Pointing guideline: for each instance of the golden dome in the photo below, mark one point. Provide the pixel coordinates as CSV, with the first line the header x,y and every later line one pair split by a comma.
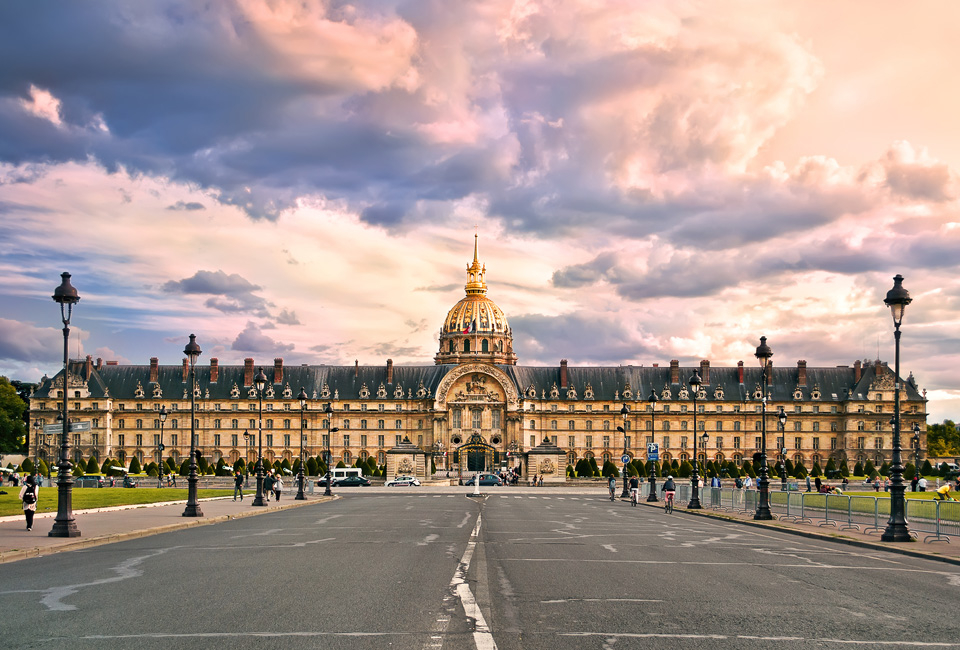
x,y
475,313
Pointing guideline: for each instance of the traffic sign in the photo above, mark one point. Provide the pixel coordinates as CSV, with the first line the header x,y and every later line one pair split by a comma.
x,y
653,451
624,459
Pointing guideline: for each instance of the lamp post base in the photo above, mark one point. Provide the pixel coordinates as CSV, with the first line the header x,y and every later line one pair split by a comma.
x,y
897,530
64,529
258,500
694,498
192,511
193,508
652,498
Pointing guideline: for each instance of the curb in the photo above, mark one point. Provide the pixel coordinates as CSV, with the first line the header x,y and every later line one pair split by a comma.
x,y
783,528
80,543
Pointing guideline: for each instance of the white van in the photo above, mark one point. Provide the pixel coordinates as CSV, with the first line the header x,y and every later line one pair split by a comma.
x,y
344,472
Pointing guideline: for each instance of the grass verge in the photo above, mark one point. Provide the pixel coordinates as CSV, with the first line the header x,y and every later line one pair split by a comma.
x,y
84,498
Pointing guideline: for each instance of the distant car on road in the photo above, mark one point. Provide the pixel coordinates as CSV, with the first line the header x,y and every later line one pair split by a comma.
x,y
351,481
402,480
485,479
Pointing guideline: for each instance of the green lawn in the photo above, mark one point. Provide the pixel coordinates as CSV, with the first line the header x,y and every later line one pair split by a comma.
x,y
101,497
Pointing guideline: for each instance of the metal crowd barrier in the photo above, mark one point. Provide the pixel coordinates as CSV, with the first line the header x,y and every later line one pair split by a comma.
x,y
937,520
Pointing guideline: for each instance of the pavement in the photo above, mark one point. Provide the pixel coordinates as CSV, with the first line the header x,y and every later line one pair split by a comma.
x,y
108,525
116,524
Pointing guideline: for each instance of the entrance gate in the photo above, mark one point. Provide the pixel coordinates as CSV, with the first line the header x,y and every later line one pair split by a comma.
x,y
475,455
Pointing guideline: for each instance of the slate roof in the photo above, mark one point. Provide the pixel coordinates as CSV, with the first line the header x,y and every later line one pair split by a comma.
x,y
608,383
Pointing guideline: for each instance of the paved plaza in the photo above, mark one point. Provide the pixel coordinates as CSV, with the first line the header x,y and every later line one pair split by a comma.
x,y
441,568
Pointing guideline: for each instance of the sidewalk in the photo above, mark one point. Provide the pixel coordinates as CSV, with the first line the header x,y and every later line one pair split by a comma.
x,y
940,551
108,525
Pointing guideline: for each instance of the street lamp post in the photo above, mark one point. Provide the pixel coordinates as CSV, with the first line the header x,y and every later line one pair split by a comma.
x,y
192,352
248,439
160,447
36,454
303,407
65,525
897,531
328,410
782,424
916,447
763,355
625,412
694,504
652,497
260,382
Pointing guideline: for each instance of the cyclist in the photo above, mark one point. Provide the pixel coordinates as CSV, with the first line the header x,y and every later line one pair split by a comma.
x,y
612,486
669,488
634,490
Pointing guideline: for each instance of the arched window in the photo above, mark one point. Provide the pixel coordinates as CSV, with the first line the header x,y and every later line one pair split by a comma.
x,y
466,345
484,346
533,424
347,458
453,347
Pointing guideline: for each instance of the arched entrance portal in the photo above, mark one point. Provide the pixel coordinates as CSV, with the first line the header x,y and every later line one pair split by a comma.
x,y
475,455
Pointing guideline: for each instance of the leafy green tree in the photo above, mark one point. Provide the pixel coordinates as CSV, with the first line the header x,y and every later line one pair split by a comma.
x,y
185,467
151,469
78,469
13,429
790,468
26,467
685,469
926,469
134,465
340,464
868,468
858,469
799,471
816,468
632,470
240,465
571,473
44,468
885,469
583,468
943,439
285,465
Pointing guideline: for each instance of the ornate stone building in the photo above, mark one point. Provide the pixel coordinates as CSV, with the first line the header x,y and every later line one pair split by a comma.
x,y
476,407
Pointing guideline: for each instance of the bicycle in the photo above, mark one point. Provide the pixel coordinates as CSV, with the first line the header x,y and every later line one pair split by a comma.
x,y
668,502
633,496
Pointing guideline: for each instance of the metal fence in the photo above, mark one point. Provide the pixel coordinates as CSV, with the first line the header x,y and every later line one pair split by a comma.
x,y
931,520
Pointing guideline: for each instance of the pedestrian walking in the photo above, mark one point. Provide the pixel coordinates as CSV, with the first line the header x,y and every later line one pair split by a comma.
x,y
913,483
238,486
268,485
808,482
29,494
277,487
818,483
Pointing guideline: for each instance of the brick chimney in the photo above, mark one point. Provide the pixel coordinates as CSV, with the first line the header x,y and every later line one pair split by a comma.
x,y
186,370
99,363
879,369
89,368
154,371
214,369
740,371
802,373
705,371
389,371
674,371
857,369
248,372
563,373
278,370
769,372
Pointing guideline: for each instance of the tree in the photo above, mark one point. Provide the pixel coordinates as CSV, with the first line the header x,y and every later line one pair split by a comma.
x,y
868,468
816,468
685,469
593,464
844,468
858,469
570,471
790,468
13,429
44,468
926,469
885,469
103,468
151,469
134,465
747,467
943,439
311,467
831,468
799,471
26,466
583,468
78,469
909,471
340,464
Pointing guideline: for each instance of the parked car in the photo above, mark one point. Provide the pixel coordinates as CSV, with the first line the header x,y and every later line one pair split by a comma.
x,y
402,480
351,481
88,481
485,479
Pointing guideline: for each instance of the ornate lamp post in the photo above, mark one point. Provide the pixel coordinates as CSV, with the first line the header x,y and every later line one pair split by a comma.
x,y
694,504
303,407
897,300
763,355
328,410
160,447
782,424
192,352
916,446
248,438
260,382
625,412
36,452
65,525
652,497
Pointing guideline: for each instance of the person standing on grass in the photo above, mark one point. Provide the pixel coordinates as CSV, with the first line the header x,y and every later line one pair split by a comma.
x,y
29,495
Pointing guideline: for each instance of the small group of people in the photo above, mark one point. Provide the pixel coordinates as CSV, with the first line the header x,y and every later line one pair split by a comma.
x,y
272,483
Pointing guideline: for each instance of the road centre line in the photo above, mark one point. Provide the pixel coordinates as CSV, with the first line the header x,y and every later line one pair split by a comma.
x,y
482,637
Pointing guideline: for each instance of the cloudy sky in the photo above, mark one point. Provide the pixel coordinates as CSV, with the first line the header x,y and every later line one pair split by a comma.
x,y
649,179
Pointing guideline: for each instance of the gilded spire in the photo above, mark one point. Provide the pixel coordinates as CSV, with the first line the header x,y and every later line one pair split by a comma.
x,y
475,283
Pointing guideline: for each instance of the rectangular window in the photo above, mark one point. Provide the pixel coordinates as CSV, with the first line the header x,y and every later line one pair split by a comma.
x,y
571,441
798,426
233,440
496,420
833,443
96,423
816,409
286,440
139,439
346,424
397,424
589,425
76,440
269,424
419,424
683,442
286,424
380,441
756,425
719,426
156,440
756,442
719,409
736,425
878,443
399,407
606,425
363,424
719,442
666,442
589,442
399,440
736,442
570,425
666,425
683,425
252,423
216,424
363,441
216,440
477,418
797,443
173,440
139,424
553,408
833,426
533,441
779,442
346,440
379,408
456,422
533,424
269,439
380,425
816,443
666,408
606,442
860,443
119,424
816,426
420,441
553,424
120,440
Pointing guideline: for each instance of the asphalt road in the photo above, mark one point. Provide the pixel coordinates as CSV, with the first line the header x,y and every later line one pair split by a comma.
x,y
421,569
